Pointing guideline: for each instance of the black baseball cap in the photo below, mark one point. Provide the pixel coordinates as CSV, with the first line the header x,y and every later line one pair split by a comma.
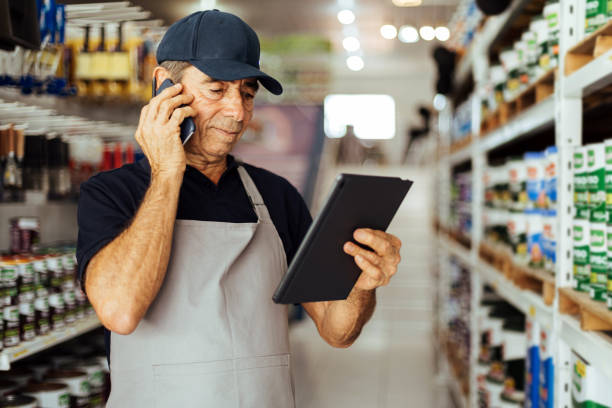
x,y
219,44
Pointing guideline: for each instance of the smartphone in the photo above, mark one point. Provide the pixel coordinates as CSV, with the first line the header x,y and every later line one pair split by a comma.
x,y
188,126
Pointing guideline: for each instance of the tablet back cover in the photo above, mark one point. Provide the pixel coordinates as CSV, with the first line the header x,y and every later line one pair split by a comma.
x,y
321,270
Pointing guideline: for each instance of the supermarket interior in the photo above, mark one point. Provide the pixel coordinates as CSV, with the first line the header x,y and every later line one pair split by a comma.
x,y
495,110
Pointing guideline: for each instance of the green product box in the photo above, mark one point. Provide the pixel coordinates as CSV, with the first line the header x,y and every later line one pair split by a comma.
x,y
582,260
596,170
590,387
580,176
596,15
609,243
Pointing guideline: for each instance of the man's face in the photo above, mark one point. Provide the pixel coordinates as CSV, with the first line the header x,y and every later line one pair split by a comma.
x,y
223,111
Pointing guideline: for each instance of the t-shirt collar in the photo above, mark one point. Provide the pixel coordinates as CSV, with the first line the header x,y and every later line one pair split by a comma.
x,y
232,163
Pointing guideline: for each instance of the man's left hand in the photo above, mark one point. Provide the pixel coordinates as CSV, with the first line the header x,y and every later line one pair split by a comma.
x,y
377,266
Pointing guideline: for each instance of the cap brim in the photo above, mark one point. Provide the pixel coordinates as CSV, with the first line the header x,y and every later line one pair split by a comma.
x,y
231,70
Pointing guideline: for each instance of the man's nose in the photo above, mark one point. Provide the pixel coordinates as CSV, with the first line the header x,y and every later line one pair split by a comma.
x,y
234,106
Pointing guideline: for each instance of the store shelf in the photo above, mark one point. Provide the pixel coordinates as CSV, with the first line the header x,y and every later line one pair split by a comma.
x,y
594,347
456,249
10,355
526,301
491,31
455,389
594,76
536,118
461,156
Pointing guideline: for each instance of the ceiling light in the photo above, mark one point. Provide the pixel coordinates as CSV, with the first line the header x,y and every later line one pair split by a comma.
x,y
442,33
428,33
346,16
408,34
407,3
388,31
354,63
351,44
439,102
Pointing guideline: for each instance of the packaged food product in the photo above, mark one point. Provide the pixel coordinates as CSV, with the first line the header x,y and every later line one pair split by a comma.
x,y
17,401
596,15
609,252
552,158
48,394
596,165
547,369
580,177
532,364
535,228
582,266
77,383
517,231
517,171
549,240
25,233
590,387
536,179
510,61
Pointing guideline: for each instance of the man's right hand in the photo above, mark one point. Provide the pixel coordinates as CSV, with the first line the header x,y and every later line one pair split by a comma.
x,y
158,132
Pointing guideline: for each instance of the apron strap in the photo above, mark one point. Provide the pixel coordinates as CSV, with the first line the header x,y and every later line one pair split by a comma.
x,y
254,196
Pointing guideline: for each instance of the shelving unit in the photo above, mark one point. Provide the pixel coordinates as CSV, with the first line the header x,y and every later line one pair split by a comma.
x,y
41,343
561,113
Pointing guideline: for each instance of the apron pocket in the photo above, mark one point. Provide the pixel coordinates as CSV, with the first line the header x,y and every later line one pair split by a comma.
x,y
252,382
265,382
210,384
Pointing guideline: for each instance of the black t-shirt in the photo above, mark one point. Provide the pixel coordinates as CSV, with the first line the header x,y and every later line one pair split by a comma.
x,y
109,201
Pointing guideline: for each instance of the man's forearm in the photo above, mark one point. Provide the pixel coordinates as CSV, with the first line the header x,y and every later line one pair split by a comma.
x,y
124,277
344,319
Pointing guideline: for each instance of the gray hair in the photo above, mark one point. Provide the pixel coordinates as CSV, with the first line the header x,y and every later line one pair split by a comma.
x,y
176,69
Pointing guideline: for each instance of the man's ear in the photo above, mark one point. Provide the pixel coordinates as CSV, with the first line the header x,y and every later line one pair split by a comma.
x,y
160,74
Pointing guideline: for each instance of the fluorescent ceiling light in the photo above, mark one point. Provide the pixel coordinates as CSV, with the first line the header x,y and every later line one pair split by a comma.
x,y
388,31
427,33
408,34
355,63
442,33
346,16
407,3
351,44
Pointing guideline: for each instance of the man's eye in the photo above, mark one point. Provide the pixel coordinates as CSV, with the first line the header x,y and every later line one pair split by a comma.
x,y
249,96
216,90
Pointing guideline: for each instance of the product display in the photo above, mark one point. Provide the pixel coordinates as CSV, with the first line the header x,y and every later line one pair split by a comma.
x,y
590,388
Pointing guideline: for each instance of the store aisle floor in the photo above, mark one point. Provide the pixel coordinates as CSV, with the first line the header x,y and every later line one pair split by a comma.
x,y
391,364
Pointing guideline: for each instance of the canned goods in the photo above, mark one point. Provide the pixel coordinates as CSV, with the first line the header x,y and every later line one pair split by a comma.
x,y
27,321
56,272
10,315
56,311
42,313
41,273
18,401
24,232
77,383
49,395
96,377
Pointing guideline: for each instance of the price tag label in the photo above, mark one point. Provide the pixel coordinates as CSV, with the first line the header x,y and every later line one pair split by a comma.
x,y
532,311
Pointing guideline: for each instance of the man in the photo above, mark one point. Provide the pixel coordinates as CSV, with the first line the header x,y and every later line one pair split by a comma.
x,y
180,253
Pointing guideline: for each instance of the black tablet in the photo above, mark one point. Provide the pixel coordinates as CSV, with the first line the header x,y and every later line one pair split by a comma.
x,y
321,270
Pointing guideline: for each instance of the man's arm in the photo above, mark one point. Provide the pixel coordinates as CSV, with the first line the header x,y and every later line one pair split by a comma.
x,y
340,322
124,277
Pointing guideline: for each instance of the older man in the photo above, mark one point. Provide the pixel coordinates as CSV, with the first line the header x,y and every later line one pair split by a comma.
x,y
180,253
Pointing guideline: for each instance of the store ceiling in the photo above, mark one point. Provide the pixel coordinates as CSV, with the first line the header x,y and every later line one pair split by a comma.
x,y
280,17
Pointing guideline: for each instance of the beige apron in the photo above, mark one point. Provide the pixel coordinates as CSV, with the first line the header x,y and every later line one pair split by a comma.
x,y
212,337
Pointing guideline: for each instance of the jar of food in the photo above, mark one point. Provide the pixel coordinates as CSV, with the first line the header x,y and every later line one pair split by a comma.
x,y
18,401
77,383
49,394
